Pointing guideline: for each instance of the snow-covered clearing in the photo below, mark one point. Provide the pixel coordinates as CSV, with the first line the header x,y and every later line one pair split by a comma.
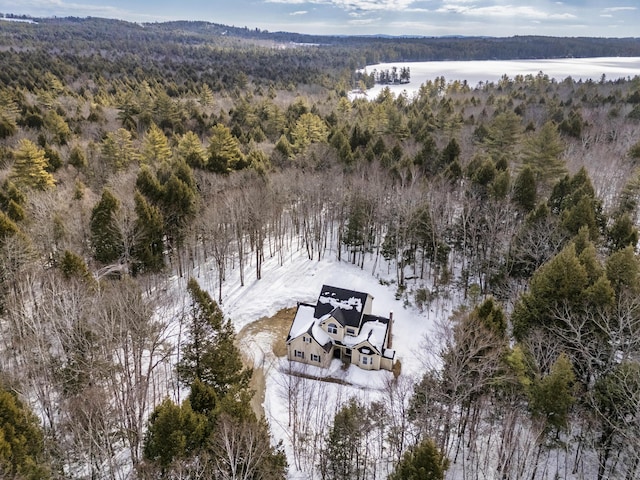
x,y
299,279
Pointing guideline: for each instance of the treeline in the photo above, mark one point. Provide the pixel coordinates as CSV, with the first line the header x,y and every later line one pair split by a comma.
x,y
384,77
117,188
181,54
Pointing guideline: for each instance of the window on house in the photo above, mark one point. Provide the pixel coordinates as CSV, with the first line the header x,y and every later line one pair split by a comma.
x,y
332,328
315,358
306,339
351,331
298,354
365,360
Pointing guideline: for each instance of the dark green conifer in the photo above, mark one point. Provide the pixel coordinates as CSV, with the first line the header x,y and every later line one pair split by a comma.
x,y
422,462
209,353
106,238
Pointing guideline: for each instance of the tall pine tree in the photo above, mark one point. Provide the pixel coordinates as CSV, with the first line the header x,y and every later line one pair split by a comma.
x,y
30,167
209,354
155,147
148,247
224,151
106,238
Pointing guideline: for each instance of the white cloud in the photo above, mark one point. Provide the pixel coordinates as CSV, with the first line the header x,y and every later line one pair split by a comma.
x,y
351,5
364,21
618,9
374,5
504,11
300,2
63,8
60,5
299,12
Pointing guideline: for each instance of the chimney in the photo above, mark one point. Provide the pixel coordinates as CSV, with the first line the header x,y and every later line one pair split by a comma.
x,y
390,329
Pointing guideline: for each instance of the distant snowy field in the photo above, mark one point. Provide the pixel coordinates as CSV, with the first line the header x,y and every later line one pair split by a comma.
x,y
299,279
475,72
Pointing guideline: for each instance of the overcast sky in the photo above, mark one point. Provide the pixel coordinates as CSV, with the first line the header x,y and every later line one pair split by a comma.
x,y
601,18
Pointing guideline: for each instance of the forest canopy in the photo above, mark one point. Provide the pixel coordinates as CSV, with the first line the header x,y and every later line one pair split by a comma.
x,y
133,158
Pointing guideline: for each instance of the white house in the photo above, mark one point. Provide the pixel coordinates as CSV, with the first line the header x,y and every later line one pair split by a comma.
x,y
340,325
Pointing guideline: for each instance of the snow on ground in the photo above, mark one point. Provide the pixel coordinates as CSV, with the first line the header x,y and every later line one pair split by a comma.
x,y
475,71
299,279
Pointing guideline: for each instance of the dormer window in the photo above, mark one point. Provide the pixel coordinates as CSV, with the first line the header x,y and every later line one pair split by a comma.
x,y
351,331
332,329
306,339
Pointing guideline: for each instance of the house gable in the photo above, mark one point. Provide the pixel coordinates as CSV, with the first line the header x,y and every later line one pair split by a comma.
x,y
305,327
374,330
334,327
307,342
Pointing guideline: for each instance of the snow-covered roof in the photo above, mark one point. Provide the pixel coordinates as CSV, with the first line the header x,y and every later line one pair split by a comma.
x,y
337,303
320,335
305,322
350,304
374,331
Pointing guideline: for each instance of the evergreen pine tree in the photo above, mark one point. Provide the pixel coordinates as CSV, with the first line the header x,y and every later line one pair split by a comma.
x,y
106,238
502,136
622,233
178,208
148,185
552,396
561,280
524,189
623,270
224,151
8,115
174,432
148,247
542,152
422,462
342,457
191,151
209,354
12,201
30,167
58,126
309,128
77,157
206,96
155,147
7,226
22,453
118,150
73,265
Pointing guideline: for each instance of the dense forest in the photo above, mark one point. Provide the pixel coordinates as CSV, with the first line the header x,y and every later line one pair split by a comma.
x,y
132,155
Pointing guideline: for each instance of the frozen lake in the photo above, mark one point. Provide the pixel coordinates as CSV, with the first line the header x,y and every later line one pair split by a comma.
x,y
476,71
